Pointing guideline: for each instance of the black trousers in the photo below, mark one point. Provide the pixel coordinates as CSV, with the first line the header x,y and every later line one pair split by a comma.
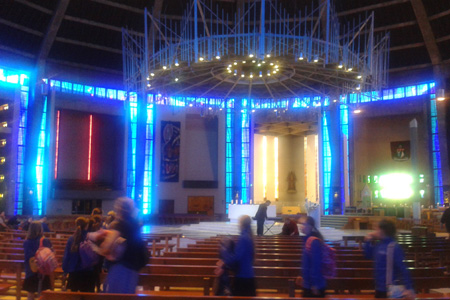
x,y
244,287
260,227
307,293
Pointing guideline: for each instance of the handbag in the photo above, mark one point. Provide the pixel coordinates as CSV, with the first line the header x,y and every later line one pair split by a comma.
x,y
393,290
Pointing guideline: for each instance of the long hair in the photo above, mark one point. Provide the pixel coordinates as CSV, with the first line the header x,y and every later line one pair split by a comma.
x,y
81,224
314,232
34,230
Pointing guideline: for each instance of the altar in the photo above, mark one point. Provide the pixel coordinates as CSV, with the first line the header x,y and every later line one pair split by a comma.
x,y
237,210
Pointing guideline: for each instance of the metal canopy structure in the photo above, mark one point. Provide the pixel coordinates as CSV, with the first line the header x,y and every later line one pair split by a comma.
x,y
262,51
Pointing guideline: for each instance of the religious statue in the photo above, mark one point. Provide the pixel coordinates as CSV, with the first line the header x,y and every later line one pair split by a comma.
x,y
291,183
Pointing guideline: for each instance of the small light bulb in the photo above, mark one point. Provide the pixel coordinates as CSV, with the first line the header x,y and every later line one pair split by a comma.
x,y
350,69
235,63
259,65
242,75
210,108
152,74
268,55
271,64
148,78
229,66
176,79
244,62
217,57
164,67
177,64
201,59
251,55
359,77
253,61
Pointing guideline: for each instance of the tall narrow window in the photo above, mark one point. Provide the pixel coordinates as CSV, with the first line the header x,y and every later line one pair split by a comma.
x,y
58,116
90,148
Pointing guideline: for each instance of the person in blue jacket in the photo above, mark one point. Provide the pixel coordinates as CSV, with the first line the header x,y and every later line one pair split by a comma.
x,y
79,280
312,279
385,233
30,246
241,260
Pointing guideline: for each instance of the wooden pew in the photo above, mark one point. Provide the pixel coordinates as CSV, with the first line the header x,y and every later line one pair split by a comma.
x,y
16,268
52,295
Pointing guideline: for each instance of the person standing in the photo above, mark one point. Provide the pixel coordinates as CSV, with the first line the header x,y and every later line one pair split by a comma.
x,y
80,279
30,246
312,279
260,217
124,266
241,260
379,252
446,220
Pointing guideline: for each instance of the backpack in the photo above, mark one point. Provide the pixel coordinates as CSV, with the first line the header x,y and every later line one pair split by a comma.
x,y
89,257
328,257
44,261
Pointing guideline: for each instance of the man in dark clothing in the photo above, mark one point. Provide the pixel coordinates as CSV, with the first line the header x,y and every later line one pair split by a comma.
x,y
261,216
446,220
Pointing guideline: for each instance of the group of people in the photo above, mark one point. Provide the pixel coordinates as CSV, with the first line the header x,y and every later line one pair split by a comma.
x,y
380,246
117,240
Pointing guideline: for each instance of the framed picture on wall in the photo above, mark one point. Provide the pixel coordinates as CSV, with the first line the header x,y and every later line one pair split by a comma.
x,y
170,151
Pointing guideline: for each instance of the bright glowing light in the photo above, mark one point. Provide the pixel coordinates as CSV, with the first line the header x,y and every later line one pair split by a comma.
x,y
350,69
2,160
275,144
235,63
396,186
251,55
152,74
341,65
176,79
4,124
358,87
229,71
58,115
357,111
164,67
217,57
244,62
422,193
210,108
268,55
90,148
359,76
177,64
265,166
259,65
242,75
251,75
201,59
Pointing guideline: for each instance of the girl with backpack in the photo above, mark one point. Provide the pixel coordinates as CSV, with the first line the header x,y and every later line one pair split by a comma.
x,y
312,280
30,246
389,267
81,278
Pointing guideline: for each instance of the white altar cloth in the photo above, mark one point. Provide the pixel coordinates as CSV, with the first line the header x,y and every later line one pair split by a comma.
x,y
237,210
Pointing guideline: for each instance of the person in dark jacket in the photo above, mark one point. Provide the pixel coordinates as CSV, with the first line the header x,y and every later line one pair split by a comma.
x,y
80,279
290,228
261,216
30,246
242,260
385,233
446,220
312,279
